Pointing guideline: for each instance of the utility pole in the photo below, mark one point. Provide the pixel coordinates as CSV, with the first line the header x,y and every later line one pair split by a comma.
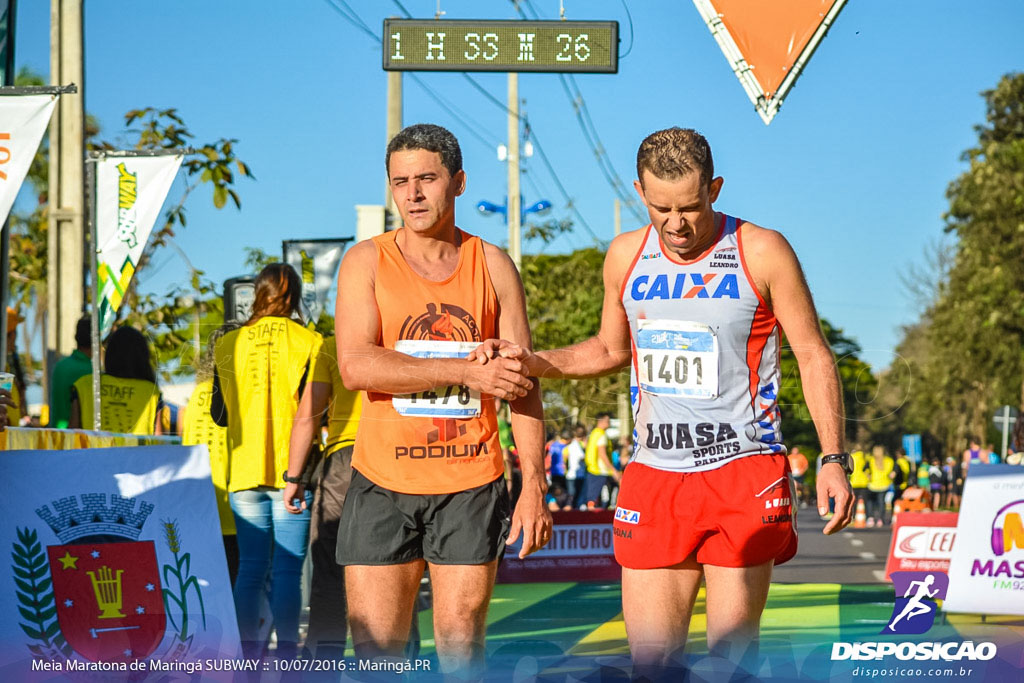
x,y
618,217
65,290
394,126
514,205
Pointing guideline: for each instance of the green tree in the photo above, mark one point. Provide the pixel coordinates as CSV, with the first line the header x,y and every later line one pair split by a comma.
x,y
858,385
563,299
970,343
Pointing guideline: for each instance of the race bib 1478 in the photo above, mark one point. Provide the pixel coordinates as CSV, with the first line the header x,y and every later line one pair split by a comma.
x,y
454,401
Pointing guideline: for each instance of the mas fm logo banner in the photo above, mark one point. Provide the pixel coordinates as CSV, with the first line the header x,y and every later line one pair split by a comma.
x,y
113,563
23,120
129,194
986,569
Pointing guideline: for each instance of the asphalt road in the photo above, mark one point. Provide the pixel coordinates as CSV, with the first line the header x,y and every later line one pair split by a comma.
x,y
850,556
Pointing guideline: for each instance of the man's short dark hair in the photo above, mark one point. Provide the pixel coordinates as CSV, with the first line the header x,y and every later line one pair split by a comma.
x,y
431,138
673,153
83,332
601,416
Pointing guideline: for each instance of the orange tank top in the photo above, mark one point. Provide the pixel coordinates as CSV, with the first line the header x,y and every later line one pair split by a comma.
x,y
427,443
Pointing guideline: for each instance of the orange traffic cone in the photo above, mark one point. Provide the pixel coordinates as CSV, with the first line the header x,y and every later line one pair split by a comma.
x,y
860,519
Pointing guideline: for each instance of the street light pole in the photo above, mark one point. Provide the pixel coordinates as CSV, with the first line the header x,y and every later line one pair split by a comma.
x,y
513,215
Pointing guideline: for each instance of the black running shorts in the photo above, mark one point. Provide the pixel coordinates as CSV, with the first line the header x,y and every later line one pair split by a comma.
x,y
383,527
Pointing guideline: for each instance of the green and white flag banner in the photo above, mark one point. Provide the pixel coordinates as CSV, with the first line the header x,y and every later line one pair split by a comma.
x,y
129,194
23,120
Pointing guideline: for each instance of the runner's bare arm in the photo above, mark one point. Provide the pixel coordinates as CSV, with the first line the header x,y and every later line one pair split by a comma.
x,y
779,278
368,366
307,418
531,516
602,354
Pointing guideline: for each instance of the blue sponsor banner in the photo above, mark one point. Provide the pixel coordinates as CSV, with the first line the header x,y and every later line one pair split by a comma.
x,y
912,447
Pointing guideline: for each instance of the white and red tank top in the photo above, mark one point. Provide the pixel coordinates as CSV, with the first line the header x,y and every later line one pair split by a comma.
x,y
705,372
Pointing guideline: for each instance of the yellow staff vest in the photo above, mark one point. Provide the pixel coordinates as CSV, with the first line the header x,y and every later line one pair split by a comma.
x,y
346,406
129,406
260,368
859,477
200,428
14,413
880,473
594,464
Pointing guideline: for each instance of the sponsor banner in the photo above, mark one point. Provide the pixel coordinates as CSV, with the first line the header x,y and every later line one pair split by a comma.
x,y
113,566
921,542
36,439
986,570
580,550
316,262
23,120
129,194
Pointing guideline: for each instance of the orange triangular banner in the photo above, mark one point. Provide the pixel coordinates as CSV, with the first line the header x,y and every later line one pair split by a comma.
x,y
768,43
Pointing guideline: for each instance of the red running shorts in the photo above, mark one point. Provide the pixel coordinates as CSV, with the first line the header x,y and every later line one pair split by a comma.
x,y
739,515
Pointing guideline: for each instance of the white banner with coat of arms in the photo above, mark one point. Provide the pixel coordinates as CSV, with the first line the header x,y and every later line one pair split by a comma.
x,y
129,194
114,565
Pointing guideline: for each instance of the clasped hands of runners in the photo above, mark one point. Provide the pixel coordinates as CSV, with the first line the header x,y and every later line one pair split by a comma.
x,y
507,374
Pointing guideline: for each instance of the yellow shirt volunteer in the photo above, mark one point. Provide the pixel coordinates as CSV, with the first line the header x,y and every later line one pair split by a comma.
x,y
128,406
14,412
859,478
594,464
879,474
200,428
261,368
346,406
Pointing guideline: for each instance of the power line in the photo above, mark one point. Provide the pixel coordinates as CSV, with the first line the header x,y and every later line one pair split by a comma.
x,y
402,7
590,133
451,110
561,188
350,15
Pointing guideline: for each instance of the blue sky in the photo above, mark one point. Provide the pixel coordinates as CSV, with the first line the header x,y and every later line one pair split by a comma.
x,y
853,170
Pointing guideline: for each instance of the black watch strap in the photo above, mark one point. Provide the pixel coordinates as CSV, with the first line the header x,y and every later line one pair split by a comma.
x,y
842,458
290,479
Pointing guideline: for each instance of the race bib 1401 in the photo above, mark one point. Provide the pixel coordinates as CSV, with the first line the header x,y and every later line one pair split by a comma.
x,y
677,358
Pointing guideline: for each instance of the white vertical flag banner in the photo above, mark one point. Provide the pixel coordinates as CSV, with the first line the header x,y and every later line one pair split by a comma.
x,y
316,262
23,120
129,194
113,566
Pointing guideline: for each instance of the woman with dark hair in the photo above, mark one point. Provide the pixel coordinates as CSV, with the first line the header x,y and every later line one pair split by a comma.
x,y
260,372
129,397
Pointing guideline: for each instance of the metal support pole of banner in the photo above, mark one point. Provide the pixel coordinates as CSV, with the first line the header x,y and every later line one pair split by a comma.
x,y
92,158
39,89
90,216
